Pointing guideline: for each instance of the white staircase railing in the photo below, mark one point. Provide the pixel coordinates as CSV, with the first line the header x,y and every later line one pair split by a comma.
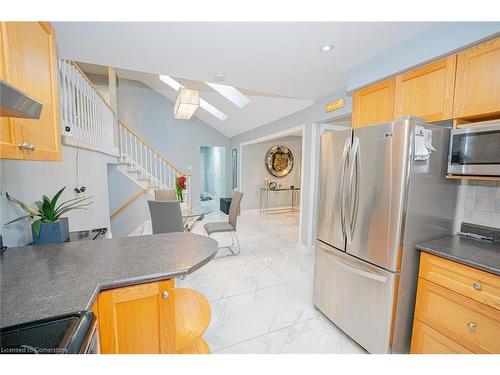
x,y
87,119
152,167
86,116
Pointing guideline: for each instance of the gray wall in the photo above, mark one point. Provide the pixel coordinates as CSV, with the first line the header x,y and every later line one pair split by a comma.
x,y
121,189
151,115
254,172
29,180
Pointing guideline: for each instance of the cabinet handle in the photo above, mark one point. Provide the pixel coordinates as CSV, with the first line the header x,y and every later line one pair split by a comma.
x,y
164,295
23,146
477,286
471,326
30,147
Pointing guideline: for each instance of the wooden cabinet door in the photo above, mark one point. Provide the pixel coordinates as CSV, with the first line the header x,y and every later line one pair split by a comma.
x,y
425,340
10,131
374,104
136,319
471,324
30,64
477,88
427,91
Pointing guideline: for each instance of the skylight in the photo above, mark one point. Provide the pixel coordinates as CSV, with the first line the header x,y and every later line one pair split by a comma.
x,y
211,109
230,93
203,103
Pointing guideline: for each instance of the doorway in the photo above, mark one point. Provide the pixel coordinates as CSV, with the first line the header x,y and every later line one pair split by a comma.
x,y
284,201
212,174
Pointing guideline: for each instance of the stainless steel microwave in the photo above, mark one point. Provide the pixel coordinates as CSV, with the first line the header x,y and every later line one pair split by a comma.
x,y
475,150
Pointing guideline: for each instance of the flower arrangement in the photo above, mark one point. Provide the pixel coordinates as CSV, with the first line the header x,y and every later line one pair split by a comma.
x,y
180,186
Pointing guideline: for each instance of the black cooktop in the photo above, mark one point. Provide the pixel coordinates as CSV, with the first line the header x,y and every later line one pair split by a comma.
x,y
63,334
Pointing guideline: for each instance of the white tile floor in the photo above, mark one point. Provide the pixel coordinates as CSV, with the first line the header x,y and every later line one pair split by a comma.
x,y
262,299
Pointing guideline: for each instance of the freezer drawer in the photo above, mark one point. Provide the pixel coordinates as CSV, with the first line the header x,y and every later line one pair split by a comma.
x,y
356,296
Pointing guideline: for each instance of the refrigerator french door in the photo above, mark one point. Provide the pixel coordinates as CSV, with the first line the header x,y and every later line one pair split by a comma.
x,y
375,193
333,168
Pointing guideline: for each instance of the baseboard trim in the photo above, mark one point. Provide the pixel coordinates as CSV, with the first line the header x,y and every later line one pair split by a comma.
x,y
271,210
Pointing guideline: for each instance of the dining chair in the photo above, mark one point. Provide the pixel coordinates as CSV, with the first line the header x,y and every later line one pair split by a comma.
x,y
230,225
165,216
165,195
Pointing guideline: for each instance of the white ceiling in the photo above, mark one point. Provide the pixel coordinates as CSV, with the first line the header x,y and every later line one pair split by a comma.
x,y
277,57
277,64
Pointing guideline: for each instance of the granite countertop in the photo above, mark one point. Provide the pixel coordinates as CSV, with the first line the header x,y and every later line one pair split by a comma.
x,y
38,282
483,255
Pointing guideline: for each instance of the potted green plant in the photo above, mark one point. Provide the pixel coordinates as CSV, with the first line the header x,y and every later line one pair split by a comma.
x,y
49,226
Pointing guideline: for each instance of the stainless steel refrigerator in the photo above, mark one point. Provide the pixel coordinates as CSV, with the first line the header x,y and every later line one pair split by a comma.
x,y
379,196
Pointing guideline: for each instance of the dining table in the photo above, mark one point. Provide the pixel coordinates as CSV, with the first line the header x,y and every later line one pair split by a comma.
x,y
194,212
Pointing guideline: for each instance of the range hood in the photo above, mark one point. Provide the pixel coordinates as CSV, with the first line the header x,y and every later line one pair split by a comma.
x,y
15,103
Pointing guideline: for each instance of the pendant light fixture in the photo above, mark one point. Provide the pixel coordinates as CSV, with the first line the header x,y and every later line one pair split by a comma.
x,y
186,103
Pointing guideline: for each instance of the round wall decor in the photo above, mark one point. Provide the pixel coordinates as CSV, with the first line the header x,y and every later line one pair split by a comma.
x,y
279,161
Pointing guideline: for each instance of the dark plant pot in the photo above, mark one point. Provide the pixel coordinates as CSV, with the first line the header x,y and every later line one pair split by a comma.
x,y
55,232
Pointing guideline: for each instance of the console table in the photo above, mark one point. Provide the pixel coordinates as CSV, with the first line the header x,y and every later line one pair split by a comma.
x,y
264,197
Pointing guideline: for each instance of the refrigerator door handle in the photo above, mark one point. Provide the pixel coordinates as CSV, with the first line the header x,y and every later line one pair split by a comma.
x,y
362,272
357,166
345,160
352,207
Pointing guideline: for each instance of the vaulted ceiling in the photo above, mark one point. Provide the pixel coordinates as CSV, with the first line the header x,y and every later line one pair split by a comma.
x,y
279,66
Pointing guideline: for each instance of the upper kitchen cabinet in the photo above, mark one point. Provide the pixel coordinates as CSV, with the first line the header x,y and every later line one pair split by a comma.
x,y
374,104
29,62
477,89
10,132
427,91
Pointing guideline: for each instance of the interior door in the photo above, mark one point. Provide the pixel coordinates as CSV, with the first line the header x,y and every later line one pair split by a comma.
x,y
334,150
376,177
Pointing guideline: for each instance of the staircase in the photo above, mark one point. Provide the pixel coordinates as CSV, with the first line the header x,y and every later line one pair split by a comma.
x,y
89,122
145,165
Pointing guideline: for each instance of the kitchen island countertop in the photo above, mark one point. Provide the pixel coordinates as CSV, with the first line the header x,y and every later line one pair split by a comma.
x,y
42,281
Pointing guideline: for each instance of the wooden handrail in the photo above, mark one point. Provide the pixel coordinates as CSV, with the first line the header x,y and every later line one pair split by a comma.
x,y
80,70
153,150
128,203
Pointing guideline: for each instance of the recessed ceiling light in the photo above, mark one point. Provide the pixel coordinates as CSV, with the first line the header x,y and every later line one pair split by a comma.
x,y
326,48
219,77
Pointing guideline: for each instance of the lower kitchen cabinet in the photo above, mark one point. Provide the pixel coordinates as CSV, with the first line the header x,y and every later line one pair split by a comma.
x,y
153,318
426,340
456,309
